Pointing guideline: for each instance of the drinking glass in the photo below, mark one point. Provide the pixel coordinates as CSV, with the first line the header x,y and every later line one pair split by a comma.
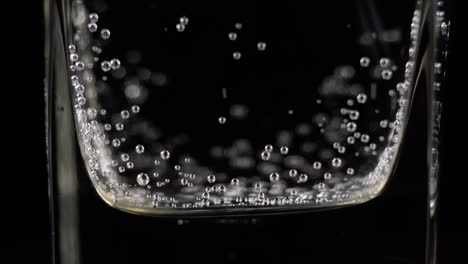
x,y
243,130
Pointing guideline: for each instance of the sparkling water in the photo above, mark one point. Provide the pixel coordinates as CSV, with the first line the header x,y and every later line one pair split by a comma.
x,y
179,109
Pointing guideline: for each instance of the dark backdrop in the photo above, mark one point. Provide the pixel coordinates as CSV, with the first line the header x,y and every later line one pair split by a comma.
x,y
29,221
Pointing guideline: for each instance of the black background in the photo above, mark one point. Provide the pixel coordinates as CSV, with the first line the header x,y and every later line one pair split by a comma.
x,y
29,220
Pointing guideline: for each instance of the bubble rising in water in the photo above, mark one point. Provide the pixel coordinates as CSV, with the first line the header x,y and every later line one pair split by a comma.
x,y
106,66
135,109
125,114
115,64
292,173
361,98
125,157
93,17
387,74
351,127
317,165
265,155
274,177
261,46
284,150
364,61
236,55
184,20
74,57
234,181
303,178
222,120
105,34
211,178
143,179
119,127
336,162
165,155
92,27
139,149
72,48
232,36
180,28
365,138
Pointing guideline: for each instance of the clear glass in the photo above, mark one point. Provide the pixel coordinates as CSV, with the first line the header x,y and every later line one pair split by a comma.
x,y
186,109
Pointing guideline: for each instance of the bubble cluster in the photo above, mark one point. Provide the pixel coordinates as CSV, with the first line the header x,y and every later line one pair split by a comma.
x,y
319,158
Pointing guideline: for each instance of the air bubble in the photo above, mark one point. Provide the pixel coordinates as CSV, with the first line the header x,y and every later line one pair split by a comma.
x,y
350,171
269,148
72,48
274,176
165,155
74,57
143,179
361,98
234,181
184,181
341,149
384,62
303,178
124,157
354,115
387,74
336,162
105,34
232,36
261,46
284,150
115,64
236,55
135,109
351,127
383,123
327,176
119,127
180,27
292,173
364,61
365,138
92,113
184,20
79,65
93,17
125,114
265,155
317,165
211,178
139,149
222,120
81,100
92,27
105,66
